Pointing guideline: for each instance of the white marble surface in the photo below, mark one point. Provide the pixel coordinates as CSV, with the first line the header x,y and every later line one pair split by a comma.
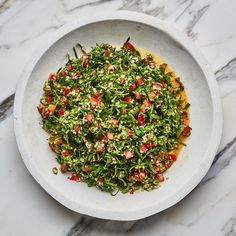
x,y
25,208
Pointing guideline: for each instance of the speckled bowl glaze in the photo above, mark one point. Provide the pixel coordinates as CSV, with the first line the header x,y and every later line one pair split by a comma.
x,y
205,114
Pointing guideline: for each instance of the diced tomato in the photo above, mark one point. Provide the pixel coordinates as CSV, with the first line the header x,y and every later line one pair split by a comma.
x,y
74,177
142,108
139,81
78,73
65,152
131,191
138,95
52,146
173,157
94,101
156,92
143,148
103,142
100,148
77,128
77,89
96,94
62,74
129,46
107,52
132,87
158,86
130,132
160,177
59,141
139,175
48,99
147,103
128,99
167,165
100,181
140,119
51,109
85,59
86,168
114,121
63,168
41,108
128,154
63,100
70,67
52,77
187,131
61,112
150,145
88,117
157,168
110,67
110,136
66,91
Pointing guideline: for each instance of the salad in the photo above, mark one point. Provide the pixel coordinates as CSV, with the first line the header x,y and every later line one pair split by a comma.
x,y
116,119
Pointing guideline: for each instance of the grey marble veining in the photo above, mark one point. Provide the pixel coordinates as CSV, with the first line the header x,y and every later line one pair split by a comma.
x,y
6,107
211,203
228,71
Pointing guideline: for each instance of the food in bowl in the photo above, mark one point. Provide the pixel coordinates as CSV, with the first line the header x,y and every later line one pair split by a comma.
x,y
117,118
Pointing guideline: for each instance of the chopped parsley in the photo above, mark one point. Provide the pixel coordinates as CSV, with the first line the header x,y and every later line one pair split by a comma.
x,y
116,120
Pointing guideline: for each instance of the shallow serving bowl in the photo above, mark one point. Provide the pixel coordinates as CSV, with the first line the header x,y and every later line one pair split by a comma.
x,y
205,114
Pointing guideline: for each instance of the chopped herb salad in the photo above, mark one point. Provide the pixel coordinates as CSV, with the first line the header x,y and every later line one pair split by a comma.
x,y
116,120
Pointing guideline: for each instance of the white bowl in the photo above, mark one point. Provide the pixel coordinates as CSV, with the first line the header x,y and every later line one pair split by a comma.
x,y
205,114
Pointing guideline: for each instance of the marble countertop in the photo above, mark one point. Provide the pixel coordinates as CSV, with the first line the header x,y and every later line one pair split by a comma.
x,y
26,209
